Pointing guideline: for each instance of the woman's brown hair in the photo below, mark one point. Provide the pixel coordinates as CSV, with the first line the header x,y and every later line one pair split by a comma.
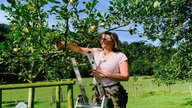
x,y
115,39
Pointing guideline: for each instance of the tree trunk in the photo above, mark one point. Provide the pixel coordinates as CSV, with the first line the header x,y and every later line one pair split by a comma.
x,y
31,95
169,88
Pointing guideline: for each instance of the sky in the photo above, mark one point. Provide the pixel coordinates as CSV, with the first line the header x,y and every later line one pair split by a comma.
x,y
123,36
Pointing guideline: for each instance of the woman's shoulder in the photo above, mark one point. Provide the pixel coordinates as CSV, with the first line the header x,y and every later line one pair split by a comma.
x,y
121,55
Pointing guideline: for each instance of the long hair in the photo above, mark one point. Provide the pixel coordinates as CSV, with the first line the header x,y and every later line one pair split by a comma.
x,y
114,38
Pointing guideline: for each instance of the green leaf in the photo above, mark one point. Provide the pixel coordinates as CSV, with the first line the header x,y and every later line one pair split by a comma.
x,y
94,2
137,1
12,2
88,5
53,1
2,46
3,7
156,4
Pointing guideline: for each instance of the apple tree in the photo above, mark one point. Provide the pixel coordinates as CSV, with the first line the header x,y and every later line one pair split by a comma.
x,y
28,49
169,21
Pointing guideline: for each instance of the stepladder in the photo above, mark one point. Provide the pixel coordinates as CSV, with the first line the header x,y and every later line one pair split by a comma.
x,y
82,99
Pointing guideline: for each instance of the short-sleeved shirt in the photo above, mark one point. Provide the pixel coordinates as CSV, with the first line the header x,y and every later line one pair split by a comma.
x,y
110,64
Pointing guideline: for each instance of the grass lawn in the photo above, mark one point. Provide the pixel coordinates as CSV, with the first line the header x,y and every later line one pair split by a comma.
x,y
143,95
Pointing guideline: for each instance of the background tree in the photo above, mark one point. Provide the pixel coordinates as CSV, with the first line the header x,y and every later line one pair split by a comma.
x,y
166,71
141,57
170,22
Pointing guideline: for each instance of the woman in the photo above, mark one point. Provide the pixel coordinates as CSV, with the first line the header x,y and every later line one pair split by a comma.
x,y
112,67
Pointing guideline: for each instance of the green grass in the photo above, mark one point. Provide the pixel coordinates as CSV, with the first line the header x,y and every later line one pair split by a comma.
x,y
146,96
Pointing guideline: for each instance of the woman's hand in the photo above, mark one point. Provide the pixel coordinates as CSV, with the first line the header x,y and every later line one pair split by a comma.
x,y
59,45
99,73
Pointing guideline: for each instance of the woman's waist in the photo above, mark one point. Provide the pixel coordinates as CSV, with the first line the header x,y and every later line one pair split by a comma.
x,y
112,85
105,82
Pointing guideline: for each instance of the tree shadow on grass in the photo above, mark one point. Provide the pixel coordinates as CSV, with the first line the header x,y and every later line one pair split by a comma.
x,y
12,105
188,101
149,94
9,105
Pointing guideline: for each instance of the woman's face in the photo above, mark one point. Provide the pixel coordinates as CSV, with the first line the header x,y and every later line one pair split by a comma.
x,y
106,41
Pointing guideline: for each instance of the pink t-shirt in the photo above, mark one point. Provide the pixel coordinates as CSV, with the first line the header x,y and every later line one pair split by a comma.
x,y
110,64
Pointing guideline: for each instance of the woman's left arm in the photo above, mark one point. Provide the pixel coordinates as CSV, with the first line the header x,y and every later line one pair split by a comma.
x,y
124,71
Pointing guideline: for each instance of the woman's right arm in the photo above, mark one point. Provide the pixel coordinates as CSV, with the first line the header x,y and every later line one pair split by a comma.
x,y
74,47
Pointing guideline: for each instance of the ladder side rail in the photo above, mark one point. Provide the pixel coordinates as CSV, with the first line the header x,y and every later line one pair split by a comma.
x,y
80,82
98,83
